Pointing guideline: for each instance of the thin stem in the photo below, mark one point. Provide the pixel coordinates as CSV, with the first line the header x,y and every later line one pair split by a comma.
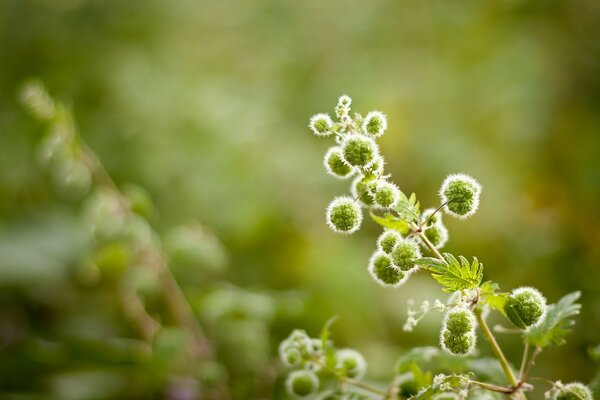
x,y
427,242
536,352
524,362
496,348
432,215
493,388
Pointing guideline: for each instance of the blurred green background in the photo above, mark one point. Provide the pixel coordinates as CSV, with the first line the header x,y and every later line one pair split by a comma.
x,y
205,105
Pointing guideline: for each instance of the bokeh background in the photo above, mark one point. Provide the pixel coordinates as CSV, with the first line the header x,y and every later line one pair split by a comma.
x,y
205,105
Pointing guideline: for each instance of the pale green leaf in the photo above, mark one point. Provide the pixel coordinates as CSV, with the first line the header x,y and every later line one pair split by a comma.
x,y
452,274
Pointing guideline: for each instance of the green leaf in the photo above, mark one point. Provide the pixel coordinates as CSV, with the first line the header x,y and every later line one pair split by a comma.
x,y
452,274
489,291
557,324
391,222
408,209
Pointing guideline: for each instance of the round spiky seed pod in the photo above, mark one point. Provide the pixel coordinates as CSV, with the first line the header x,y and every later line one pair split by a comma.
x,y
384,272
363,189
302,383
458,331
335,165
458,345
321,124
344,215
386,194
387,240
405,253
460,194
359,150
437,235
351,363
525,307
573,391
374,124
289,354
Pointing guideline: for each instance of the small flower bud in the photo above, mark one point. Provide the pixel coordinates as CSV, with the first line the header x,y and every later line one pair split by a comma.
x,y
335,164
363,189
359,150
387,240
344,215
525,307
573,391
437,235
374,124
302,383
384,271
405,253
460,193
351,363
289,354
344,101
321,124
386,194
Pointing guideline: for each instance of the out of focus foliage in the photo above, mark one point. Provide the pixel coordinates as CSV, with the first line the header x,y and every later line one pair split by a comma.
x,y
204,104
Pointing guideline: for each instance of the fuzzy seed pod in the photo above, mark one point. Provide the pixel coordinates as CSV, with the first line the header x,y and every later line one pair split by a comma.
x,y
363,189
335,164
525,307
344,215
458,345
573,391
289,354
384,271
359,150
302,383
387,240
386,194
351,363
458,331
437,235
405,253
461,194
374,124
321,124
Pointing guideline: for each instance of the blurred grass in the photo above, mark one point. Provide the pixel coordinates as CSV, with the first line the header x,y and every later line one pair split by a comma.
x,y
205,104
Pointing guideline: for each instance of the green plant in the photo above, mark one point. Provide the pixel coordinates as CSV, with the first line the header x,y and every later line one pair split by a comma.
x,y
426,372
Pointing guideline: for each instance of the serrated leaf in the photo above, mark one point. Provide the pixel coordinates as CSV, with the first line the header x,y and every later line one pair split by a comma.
x,y
391,222
497,301
452,274
557,324
408,209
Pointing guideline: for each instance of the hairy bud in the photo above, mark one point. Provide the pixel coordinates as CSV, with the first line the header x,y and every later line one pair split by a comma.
x,y
525,307
302,383
573,391
437,235
460,193
384,272
458,331
321,124
374,124
363,189
359,150
386,194
374,169
344,215
387,240
405,253
335,164
351,363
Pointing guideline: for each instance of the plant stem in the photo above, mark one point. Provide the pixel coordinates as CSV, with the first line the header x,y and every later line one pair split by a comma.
x,y
350,381
496,348
493,388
